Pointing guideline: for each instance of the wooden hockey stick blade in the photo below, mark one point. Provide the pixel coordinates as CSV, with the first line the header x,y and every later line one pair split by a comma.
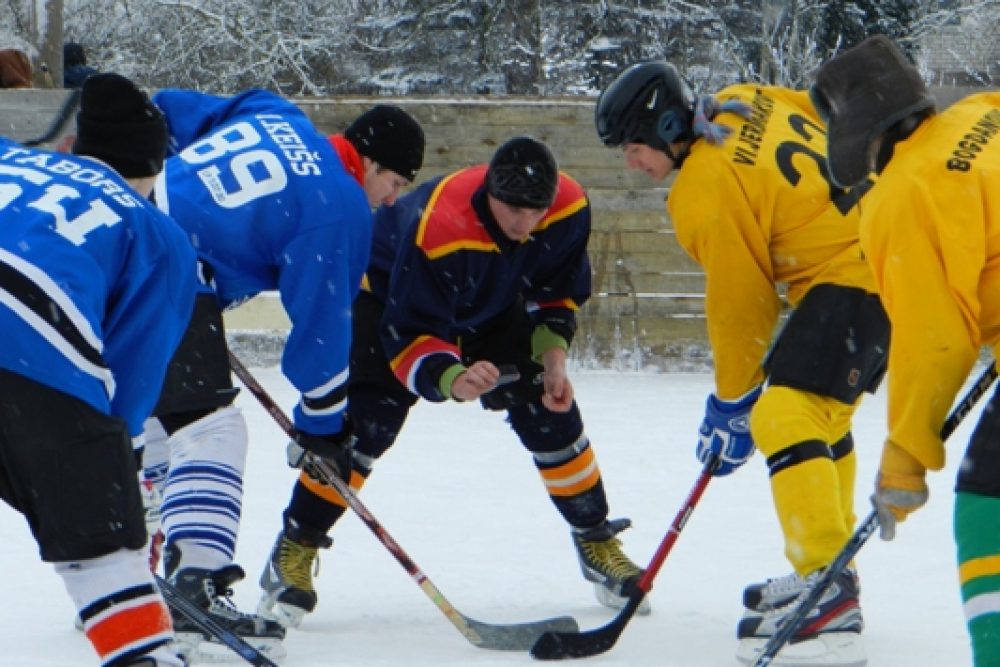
x,y
561,645
511,636
176,601
499,637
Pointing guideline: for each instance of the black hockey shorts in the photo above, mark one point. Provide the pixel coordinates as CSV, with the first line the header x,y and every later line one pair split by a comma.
x,y
70,470
835,344
198,378
377,401
979,472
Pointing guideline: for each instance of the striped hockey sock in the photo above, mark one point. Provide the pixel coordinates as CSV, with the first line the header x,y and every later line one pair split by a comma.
x,y
977,534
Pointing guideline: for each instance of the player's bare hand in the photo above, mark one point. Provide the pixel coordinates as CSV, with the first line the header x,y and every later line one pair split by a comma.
x,y
475,381
558,396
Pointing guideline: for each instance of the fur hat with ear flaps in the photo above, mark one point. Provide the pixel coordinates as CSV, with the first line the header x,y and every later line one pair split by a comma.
x,y
861,94
120,126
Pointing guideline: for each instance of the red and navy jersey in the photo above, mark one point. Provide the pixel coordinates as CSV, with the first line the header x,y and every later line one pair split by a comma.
x,y
444,269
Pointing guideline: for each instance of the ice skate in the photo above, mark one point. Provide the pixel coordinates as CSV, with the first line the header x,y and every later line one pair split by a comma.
x,y
287,578
210,590
829,636
603,562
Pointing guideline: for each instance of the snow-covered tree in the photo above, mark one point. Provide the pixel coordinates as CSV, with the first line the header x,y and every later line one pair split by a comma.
x,y
533,47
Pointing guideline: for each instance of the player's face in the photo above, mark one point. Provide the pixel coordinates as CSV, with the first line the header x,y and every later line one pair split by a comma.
x,y
654,163
515,222
382,186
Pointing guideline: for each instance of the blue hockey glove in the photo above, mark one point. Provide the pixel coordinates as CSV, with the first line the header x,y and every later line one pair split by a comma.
x,y
725,432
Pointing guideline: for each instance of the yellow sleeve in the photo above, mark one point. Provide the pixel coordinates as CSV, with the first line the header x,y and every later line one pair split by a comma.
x,y
715,226
922,232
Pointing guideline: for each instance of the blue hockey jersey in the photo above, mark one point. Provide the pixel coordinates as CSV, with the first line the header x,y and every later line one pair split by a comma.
x,y
96,284
267,202
444,269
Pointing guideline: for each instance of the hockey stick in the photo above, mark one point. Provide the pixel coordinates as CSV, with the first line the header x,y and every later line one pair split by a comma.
x,y
501,637
867,528
176,600
557,645
65,112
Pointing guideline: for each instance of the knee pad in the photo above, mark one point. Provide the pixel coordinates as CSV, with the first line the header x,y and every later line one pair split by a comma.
x,y
783,416
156,452
542,430
220,436
94,578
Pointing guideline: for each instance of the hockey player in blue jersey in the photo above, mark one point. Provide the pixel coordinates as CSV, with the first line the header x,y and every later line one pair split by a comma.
x,y
96,289
472,271
269,203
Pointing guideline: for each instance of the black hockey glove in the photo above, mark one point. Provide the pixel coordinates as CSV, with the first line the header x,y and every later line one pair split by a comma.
x,y
336,450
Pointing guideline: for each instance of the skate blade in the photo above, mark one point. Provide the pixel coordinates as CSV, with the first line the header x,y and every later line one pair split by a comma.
x,y
287,615
831,649
612,601
195,648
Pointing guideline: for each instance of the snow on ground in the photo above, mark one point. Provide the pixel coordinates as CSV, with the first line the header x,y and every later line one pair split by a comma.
x,y
462,498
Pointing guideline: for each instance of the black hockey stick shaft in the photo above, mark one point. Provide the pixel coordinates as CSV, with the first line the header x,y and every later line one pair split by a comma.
x,y
505,637
864,531
179,603
65,112
556,645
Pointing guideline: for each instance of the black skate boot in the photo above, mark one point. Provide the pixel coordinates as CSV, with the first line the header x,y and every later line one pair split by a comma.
x,y
210,590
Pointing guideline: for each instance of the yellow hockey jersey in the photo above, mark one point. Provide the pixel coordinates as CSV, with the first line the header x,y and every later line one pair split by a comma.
x,y
760,211
931,231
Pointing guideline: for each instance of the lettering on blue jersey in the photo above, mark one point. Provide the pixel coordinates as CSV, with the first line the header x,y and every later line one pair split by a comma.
x,y
303,161
239,171
78,173
972,143
50,200
752,130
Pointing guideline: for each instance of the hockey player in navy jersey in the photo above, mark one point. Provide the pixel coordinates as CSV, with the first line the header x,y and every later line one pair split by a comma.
x,y
479,269
269,203
96,289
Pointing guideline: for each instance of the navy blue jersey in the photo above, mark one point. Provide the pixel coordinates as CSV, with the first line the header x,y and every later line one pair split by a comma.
x,y
444,269
267,202
96,284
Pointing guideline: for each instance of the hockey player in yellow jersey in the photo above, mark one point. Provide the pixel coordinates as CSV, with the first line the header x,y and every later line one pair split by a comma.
x,y
753,204
930,229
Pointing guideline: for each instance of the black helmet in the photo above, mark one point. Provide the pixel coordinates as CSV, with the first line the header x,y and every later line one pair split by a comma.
x,y
523,173
648,103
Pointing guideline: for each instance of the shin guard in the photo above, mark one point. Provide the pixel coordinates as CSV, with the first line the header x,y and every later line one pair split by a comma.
x,y
119,604
203,497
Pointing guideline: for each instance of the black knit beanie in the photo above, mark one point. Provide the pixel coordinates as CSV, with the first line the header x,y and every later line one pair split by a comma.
x,y
523,172
120,126
390,136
